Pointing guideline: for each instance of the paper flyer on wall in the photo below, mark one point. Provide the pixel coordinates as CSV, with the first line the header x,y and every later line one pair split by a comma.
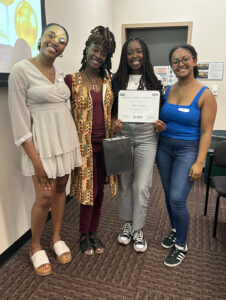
x,y
166,74
211,70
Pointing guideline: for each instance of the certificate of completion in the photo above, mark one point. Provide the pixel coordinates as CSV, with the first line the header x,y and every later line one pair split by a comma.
x,y
138,106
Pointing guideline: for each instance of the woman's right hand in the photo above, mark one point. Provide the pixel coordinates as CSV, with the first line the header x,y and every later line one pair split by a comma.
x,y
116,125
43,180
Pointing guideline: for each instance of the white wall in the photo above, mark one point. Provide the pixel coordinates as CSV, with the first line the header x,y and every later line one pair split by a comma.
x,y
79,17
16,191
209,22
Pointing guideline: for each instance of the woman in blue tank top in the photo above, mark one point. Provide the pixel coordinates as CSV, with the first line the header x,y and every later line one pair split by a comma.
x,y
189,112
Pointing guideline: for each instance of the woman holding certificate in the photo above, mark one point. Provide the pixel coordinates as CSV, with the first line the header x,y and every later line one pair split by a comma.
x,y
189,112
135,72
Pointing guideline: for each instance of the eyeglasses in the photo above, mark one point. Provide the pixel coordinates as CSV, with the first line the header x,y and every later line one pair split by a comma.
x,y
184,60
58,38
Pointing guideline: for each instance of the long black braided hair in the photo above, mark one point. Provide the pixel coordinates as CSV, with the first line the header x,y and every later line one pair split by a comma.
x,y
148,78
101,35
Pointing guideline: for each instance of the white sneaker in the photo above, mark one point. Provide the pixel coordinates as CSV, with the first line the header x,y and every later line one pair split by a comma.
x,y
140,244
126,234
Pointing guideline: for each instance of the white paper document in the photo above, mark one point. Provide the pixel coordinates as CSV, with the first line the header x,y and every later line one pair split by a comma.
x,y
138,106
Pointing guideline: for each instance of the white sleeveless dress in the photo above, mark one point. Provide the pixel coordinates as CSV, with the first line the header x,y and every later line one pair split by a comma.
x,y
40,112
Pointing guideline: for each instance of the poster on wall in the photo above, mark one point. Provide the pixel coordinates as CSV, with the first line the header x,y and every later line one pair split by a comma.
x,y
207,71
166,74
20,27
210,70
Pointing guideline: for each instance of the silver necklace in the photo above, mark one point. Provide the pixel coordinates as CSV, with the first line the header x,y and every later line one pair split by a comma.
x,y
94,84
136,79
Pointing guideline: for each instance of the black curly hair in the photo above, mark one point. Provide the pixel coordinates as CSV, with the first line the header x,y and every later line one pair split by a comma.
x,y
193,52
46,27
101,35
148,78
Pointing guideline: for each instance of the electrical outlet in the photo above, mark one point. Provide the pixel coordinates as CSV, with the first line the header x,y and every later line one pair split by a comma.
x,y
214,89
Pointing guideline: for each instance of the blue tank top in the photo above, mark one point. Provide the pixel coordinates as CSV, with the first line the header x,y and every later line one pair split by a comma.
x,y
182,121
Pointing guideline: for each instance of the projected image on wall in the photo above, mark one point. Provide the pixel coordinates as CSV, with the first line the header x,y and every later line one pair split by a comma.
x,y
20,29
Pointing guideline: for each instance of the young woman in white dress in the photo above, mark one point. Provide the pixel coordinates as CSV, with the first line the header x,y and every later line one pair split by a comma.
x,y
42,124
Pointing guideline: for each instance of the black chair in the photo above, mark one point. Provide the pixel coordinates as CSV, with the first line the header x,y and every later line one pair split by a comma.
x,y
217,159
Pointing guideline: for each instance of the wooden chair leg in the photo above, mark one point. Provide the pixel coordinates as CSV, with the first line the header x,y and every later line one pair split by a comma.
x,y
216,216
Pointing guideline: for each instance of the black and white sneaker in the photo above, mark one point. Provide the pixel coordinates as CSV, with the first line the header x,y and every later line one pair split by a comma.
x,y
140,244
176,255
125,235
170,240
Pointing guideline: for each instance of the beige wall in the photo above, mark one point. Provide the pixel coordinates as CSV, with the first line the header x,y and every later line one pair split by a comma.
x,y
79,16
208,19
16,191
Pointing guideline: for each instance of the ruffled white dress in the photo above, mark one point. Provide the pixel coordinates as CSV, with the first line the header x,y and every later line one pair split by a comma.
x,y
39,112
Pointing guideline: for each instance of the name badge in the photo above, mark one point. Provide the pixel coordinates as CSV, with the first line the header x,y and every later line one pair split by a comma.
x,y
186,110
60,79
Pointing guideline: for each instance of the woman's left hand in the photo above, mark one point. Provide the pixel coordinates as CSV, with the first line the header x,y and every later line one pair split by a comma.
x,y
195,171
116,125
159,126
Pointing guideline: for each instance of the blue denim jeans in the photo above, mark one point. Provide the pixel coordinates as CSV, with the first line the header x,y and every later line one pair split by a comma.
x,y
174,159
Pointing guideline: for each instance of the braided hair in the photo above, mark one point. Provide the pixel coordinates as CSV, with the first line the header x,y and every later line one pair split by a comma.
x,y
101,36
148,77
193,52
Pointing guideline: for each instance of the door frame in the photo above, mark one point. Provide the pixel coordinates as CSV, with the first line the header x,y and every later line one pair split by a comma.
x,y
157,25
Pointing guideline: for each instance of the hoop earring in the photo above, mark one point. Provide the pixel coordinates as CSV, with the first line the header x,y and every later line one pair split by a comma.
x,y
61,55
39,44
